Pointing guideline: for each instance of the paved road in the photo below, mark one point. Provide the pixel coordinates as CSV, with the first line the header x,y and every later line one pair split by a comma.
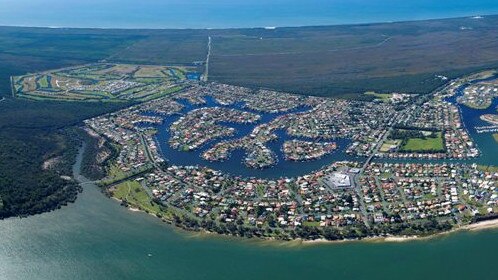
x,y
206,71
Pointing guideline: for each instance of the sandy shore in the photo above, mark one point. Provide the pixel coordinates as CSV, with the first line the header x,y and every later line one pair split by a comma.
x,y
482,225
296,242
472,227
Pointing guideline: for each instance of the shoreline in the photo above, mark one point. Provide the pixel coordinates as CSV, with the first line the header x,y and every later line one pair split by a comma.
x,y
483,225
268,26
202,233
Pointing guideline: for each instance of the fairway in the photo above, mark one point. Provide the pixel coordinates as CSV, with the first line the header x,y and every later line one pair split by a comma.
x,y
102,82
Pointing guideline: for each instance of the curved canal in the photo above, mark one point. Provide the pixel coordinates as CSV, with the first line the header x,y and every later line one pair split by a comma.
x,y
234,164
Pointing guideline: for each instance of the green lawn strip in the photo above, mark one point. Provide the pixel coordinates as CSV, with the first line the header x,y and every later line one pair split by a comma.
x,y
162,93
488,168
311,224
115,175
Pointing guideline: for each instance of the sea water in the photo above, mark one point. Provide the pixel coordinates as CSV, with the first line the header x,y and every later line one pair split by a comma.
x,y
229,13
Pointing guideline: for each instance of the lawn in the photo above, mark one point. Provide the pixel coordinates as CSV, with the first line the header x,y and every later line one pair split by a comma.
x,y
388,144
311,224
134,194
424,144
384,97
43,81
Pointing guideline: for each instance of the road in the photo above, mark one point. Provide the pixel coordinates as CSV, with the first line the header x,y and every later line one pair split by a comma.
x,y
206,71
356,177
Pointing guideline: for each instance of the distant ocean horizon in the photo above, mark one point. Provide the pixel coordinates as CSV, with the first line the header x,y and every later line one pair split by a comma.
x,y
229,14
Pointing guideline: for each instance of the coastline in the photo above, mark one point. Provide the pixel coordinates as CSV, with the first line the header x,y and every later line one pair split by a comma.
x,y
284,239
268,25
489,224
483,225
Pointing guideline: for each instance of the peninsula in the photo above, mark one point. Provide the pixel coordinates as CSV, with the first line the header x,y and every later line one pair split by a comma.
x,y
401,166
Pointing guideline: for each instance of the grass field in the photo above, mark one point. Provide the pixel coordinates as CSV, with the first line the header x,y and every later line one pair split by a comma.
x,y
134,194
381,96
424,145
386,146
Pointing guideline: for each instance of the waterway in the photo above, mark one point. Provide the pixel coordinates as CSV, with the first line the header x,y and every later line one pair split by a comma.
x,y
229,13
471,120
234,165
96,238
284,168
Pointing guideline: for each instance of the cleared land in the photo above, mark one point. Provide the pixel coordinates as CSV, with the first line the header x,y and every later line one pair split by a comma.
x,y
424,144
101,82
389,145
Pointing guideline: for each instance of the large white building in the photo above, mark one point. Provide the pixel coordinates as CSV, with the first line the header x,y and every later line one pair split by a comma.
x,y
337,180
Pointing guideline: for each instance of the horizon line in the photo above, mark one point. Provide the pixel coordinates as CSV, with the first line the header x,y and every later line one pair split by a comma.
x,y
473,16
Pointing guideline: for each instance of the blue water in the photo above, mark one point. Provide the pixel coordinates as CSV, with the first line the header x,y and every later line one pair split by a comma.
x,y
234,165
471,120
229,13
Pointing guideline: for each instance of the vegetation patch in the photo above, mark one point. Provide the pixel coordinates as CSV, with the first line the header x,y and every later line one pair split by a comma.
x,y
132,194
384,97
411,140
431,143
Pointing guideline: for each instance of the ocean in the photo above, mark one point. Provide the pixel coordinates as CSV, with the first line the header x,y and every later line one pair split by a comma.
x,y
229,13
